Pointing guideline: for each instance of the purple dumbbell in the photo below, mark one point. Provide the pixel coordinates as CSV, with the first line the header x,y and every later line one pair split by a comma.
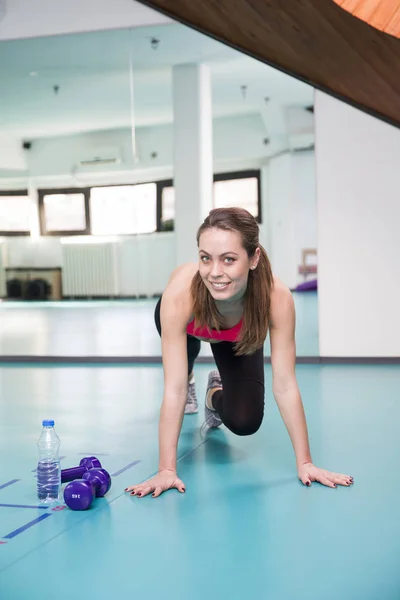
x,y
89,462
79,494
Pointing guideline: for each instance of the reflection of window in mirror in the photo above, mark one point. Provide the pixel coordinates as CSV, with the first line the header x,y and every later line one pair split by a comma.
x,y
15,214
64,212
168,203
123,209
230,189
237,192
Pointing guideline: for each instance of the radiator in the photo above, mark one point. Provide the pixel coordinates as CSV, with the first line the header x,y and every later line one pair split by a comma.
x,y
90,269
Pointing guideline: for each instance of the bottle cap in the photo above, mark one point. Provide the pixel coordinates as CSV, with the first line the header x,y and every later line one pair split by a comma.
x,y
47,423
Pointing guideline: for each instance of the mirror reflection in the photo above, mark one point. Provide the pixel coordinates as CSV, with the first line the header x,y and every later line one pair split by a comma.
x,y
90,163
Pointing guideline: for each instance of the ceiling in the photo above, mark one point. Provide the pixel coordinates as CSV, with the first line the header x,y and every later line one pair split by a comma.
x,y
66,84
314,40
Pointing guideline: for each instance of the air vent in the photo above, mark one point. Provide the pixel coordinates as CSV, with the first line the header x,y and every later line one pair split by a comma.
x,y
101,157
97,161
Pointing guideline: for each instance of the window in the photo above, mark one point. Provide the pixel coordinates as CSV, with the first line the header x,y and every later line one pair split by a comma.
x,y
241,189
15,213
123,209
64,212
168,202
165,205
128,209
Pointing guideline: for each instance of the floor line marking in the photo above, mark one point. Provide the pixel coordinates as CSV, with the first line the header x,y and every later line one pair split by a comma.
x,y
93,454
132,464
16,532
23,506
8,483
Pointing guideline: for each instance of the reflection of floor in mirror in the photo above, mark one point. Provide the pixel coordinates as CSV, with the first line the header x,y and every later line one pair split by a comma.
x,y
115,328
266,534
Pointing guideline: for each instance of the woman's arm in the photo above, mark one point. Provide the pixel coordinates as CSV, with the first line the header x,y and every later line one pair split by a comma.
x,y
284,383
286,390
176,309
175,363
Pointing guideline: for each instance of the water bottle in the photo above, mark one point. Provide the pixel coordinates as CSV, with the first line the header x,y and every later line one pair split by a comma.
x,y
49,467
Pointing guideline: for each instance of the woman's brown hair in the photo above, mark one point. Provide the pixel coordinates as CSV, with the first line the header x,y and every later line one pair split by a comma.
x,y
257,299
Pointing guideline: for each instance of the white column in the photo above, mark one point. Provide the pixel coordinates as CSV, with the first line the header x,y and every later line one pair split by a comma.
x,y
282,219
290,213
193,155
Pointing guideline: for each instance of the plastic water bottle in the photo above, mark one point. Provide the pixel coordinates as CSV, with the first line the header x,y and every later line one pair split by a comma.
x,y
49,467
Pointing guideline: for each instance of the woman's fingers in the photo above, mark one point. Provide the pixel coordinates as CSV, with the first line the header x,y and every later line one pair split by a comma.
x,y
180,486
138,490
344,480
305,479
325,481
330,479
343,475
157,485
339,478
147,489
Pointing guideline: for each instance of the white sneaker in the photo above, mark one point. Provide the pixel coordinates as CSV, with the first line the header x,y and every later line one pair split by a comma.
x,y
212,418
192,406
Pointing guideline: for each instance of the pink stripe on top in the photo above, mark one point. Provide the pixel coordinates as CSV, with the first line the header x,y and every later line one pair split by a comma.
x,y
225,335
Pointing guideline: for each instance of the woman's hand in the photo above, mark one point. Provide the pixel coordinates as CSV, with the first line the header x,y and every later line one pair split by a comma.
x,y
163,481
309,472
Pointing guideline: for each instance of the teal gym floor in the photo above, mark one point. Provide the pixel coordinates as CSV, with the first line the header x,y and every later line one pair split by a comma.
x,y
246,526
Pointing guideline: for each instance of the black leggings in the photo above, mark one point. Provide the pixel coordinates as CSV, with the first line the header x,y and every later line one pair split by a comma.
x,y
241,402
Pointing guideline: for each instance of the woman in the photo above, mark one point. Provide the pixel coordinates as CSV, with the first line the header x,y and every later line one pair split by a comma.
x,y
231,299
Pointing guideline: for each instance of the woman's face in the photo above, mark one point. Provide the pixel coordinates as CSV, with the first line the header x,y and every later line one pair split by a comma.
x,y
224,265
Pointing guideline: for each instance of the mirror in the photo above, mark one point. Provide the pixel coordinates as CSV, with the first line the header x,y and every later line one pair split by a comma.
x,y
87,198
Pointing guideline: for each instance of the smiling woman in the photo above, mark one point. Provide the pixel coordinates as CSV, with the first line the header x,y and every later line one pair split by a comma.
x,y
230,279
231,299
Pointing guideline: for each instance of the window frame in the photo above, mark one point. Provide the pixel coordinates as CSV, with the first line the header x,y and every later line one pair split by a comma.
x,y
244,175
160,185
228,176
25,233
56,191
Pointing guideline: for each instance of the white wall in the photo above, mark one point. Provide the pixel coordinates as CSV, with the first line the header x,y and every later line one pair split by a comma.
x,y
53,17
358,211
236,141
33,252
281,219
12,156
304,201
